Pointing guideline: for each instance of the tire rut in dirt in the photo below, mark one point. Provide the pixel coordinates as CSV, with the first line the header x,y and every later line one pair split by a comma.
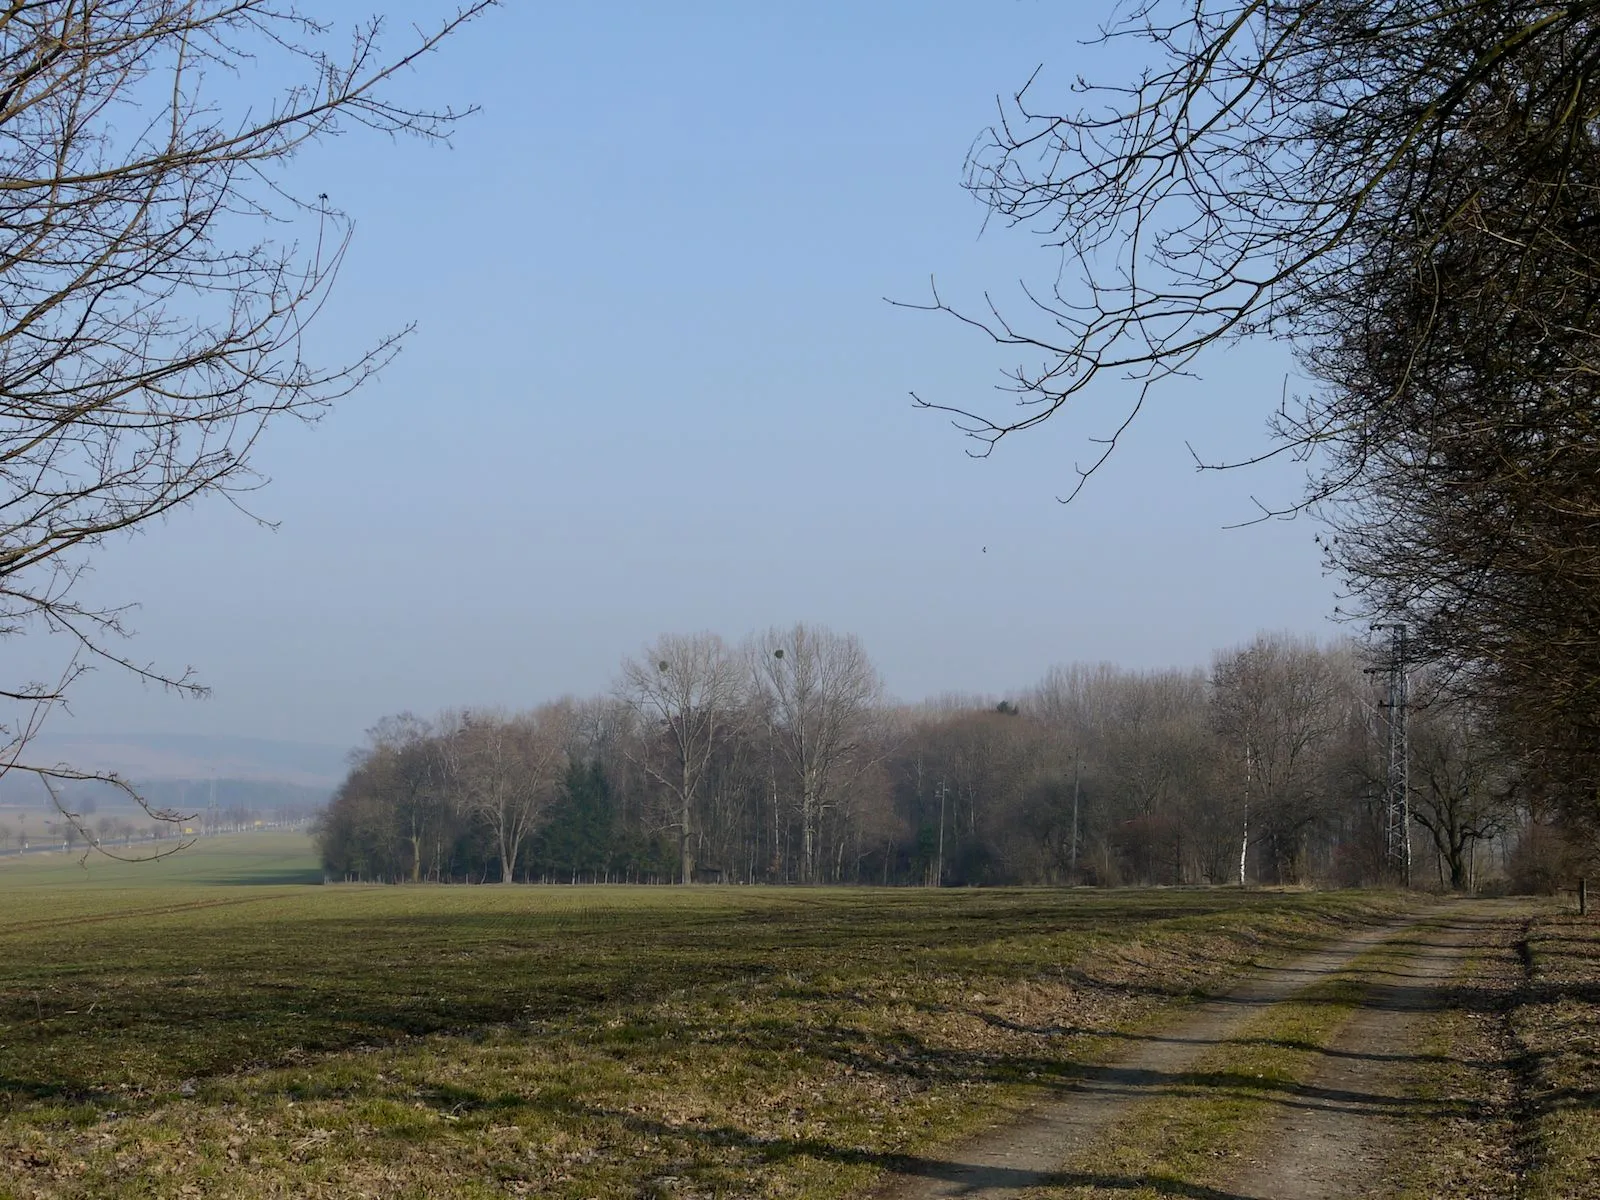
x,y
1008,1161
1334,1136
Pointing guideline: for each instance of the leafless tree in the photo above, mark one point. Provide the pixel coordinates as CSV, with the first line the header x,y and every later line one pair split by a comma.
x,y
159,267
1458,412
1254,168
685,690
1461,784
406,760
1277,701
505,771
824,691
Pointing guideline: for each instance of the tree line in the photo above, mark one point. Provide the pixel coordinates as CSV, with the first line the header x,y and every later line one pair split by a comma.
x,y
781,760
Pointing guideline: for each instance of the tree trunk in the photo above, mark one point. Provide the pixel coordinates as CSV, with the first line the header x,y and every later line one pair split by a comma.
x,y
1244,843
808,848
1458,868
685,847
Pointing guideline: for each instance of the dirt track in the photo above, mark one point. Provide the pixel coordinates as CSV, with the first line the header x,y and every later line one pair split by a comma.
x,y
1331,1139
1336,1141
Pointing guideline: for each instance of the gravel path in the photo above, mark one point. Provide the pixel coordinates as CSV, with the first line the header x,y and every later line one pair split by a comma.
x,y
1334,1140
1008,1160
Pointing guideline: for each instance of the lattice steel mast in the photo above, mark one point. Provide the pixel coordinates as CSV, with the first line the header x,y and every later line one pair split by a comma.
x,y
1397,798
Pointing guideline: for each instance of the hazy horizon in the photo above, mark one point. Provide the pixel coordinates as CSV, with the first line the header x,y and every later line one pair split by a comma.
x,y
655,387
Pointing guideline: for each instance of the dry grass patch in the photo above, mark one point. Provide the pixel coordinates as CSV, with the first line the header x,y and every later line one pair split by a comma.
x,y
1465,1074
1558,1027
580,1042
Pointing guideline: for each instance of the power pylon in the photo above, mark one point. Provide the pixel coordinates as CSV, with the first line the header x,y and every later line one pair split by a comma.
x,y
1397,791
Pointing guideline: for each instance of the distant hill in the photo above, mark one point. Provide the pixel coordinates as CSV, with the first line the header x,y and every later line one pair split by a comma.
x,y
183,757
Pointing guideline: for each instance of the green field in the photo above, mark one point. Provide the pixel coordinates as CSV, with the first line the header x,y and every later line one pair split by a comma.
x,y
239,860
207,1026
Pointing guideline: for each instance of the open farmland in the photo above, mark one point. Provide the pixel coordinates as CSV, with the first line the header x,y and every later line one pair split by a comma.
x,y
265,1039
165,1032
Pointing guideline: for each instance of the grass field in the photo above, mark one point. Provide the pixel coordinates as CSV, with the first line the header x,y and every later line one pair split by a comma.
x,y
200,1026
239,860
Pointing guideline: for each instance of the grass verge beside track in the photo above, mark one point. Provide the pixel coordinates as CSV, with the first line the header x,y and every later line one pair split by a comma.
x,y
1556,1023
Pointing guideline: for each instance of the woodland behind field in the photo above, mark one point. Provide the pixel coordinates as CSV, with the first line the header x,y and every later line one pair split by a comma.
x,y
782,761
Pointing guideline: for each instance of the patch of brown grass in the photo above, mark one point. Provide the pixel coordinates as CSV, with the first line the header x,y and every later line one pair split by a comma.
x,y
1557,1026
575,1043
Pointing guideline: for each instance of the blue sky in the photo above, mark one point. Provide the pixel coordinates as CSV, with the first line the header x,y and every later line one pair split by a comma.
x,y
654,386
